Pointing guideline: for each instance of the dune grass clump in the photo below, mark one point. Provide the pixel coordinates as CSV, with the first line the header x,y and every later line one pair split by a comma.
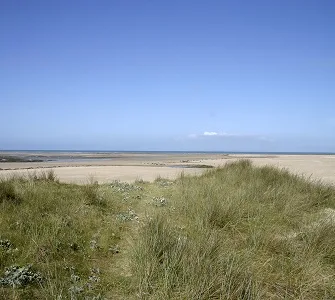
x,y
93,195
43,175
9,192
173,265
52,229
240,232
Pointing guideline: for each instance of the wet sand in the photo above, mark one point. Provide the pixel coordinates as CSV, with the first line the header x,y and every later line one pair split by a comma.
x,y
106,167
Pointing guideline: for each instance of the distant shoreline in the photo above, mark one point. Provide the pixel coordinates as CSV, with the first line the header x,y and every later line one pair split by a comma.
x,y
168,152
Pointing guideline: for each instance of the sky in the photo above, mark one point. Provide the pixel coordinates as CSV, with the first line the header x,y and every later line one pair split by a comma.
x,y
185,75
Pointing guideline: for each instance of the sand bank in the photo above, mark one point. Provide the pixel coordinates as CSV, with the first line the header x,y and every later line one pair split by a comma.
x,y
106,167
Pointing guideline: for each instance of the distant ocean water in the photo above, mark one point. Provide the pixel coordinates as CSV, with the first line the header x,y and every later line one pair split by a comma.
x,y
167,152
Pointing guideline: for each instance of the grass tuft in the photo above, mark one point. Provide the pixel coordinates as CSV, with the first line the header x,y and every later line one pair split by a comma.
x,y
170,265
8,192
48,176
93,195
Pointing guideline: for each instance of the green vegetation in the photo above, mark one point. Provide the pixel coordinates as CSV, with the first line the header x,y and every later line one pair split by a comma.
x,y
238,232
193,166
11,158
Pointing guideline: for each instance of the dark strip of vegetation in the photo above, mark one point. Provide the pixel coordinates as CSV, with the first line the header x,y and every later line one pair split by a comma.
x,y
193,166
10,158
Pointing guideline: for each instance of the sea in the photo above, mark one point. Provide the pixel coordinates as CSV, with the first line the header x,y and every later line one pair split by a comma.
x,y
74,155
165,152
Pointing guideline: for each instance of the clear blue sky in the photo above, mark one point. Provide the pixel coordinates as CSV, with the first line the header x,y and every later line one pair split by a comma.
x,y
168,75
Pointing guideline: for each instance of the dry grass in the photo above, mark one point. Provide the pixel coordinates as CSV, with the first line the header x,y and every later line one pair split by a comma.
x,y
238,232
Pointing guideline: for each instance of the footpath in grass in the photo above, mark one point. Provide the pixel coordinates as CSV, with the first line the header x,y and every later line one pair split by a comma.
x,y
238,232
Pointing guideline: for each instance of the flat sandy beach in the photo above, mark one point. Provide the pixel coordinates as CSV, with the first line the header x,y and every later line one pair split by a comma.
x,y
106,167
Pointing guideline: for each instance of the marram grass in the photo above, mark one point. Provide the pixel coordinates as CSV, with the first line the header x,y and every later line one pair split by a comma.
x,y
237,232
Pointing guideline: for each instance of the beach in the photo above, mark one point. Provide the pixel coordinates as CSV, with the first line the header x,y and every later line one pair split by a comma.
x,y
104,167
